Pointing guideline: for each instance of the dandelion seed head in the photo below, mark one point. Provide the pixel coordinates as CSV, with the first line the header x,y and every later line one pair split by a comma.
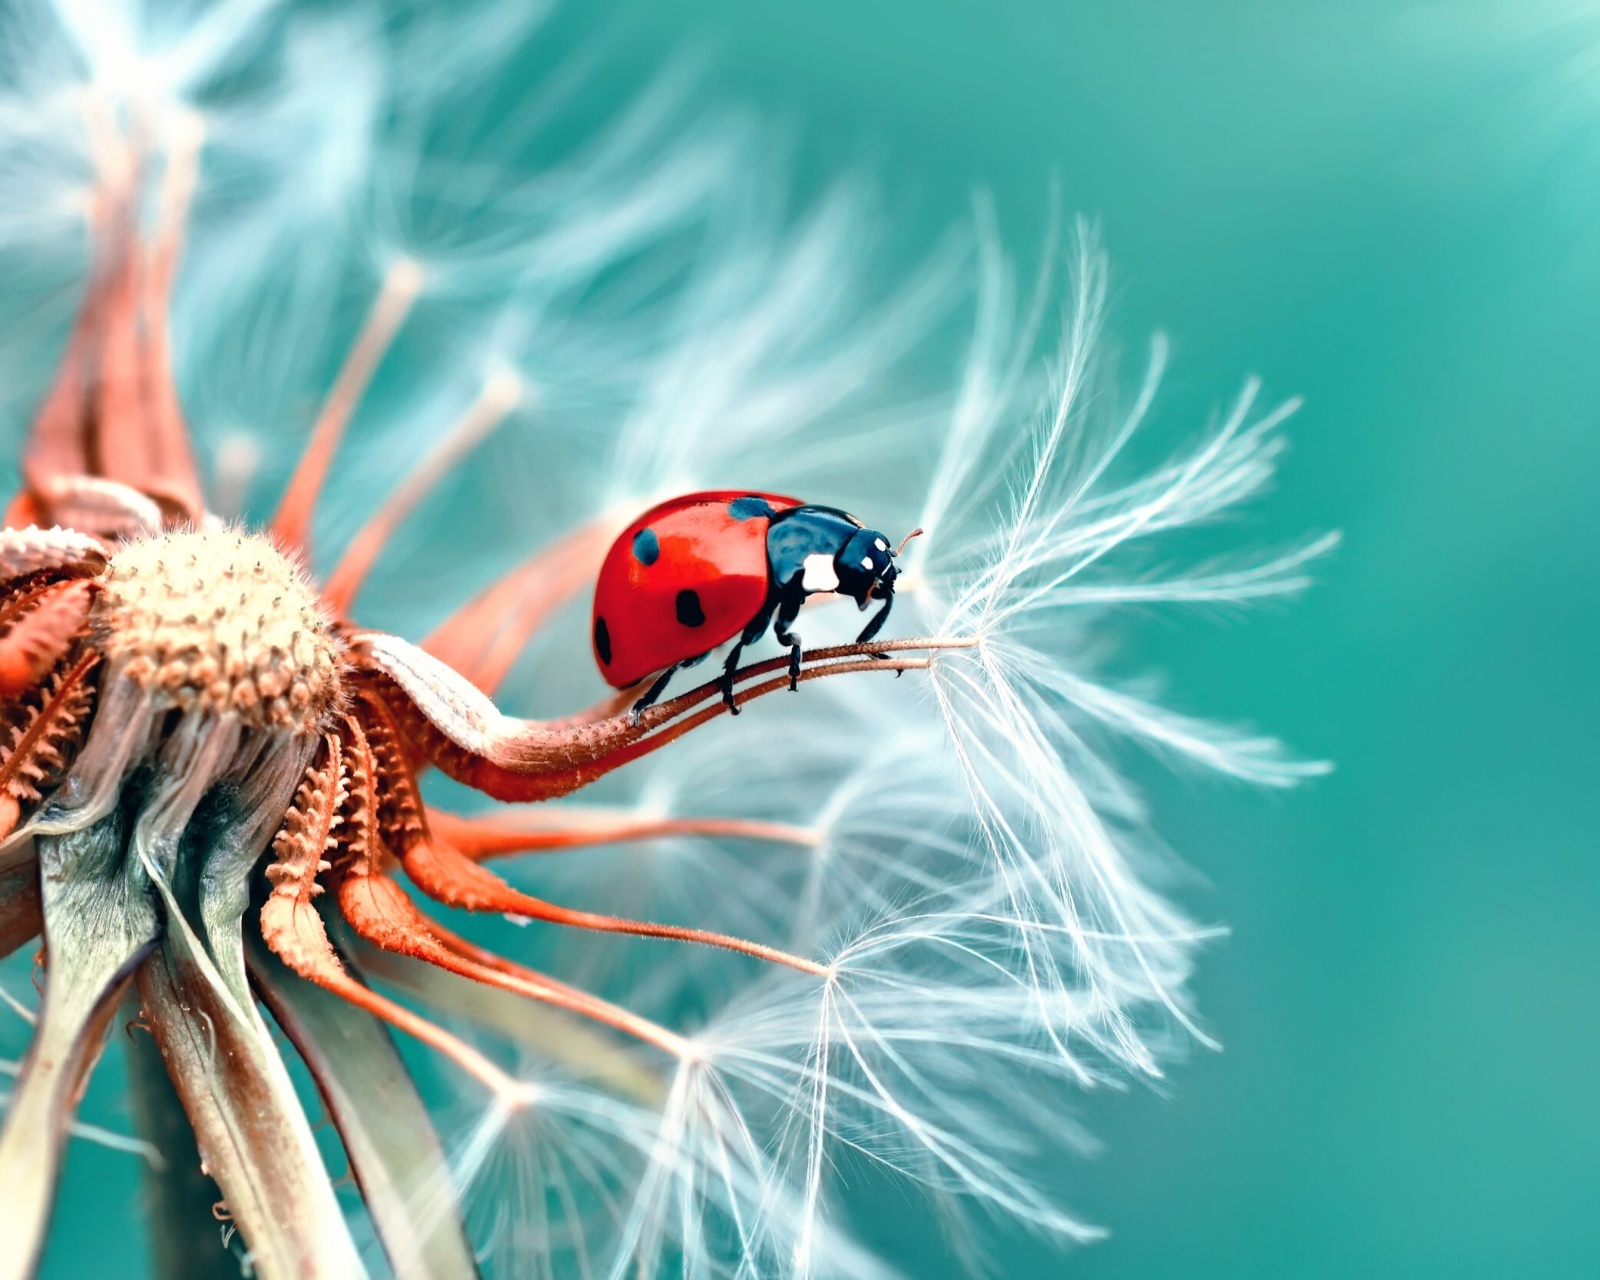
x,y
219,621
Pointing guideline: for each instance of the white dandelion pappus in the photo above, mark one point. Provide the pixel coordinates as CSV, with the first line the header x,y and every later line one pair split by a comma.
x,y
953,847
974,869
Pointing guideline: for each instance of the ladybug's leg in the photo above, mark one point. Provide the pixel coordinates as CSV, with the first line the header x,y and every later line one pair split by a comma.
x,y
725,680
753,632
788,611
875,625
655,690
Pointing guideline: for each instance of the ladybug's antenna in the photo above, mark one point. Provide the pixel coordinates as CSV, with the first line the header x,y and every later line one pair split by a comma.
x,y
915,533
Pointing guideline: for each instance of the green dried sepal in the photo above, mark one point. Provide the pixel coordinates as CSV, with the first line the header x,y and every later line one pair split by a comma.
x,y
249,1125
185,1239
393,1148
252,1133
97,925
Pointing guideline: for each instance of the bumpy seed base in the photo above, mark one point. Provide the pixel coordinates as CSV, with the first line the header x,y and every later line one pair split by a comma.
x,y
221,621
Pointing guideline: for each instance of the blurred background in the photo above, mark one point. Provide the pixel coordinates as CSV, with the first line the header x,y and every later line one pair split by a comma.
x,y
1394,211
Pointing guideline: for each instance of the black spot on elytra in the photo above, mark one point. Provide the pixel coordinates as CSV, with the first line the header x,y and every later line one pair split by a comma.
x,y
646,547
602,641
689,611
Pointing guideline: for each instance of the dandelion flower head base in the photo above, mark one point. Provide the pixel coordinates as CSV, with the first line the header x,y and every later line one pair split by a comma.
x,y
221,622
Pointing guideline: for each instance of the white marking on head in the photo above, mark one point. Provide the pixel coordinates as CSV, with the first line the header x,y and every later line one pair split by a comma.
x,y
866,563
880,544
819,573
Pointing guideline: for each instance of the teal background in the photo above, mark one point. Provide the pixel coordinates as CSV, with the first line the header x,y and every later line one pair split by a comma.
x,y
1389,210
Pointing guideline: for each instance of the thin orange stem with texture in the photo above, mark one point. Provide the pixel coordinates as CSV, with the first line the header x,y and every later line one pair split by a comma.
x,y
327,973
450,877
618,742
165,466
379,910
499,396
292,927
678,728
816,662
580,1001
532,760
401,285
61,439
551,832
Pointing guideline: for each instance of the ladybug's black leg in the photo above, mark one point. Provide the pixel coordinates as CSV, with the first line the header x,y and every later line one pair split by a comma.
x,y
875,625
753,632
726,678
655,691
788,611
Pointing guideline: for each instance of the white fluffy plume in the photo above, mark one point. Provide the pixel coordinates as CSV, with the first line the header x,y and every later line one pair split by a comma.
x,y
971,866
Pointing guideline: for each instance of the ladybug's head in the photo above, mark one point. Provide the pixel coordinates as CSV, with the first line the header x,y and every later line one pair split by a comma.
x,y
865,565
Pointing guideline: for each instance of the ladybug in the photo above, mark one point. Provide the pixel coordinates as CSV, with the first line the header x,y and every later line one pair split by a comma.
x,y
702,569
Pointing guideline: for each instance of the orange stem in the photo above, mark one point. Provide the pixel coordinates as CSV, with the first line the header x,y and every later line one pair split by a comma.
x,y
549,832
450,877
378,910
292,523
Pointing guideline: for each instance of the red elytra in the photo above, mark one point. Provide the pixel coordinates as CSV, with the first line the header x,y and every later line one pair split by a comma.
x,y
685,577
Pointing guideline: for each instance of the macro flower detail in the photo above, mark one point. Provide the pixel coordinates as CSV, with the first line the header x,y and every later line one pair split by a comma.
x,y
915,916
